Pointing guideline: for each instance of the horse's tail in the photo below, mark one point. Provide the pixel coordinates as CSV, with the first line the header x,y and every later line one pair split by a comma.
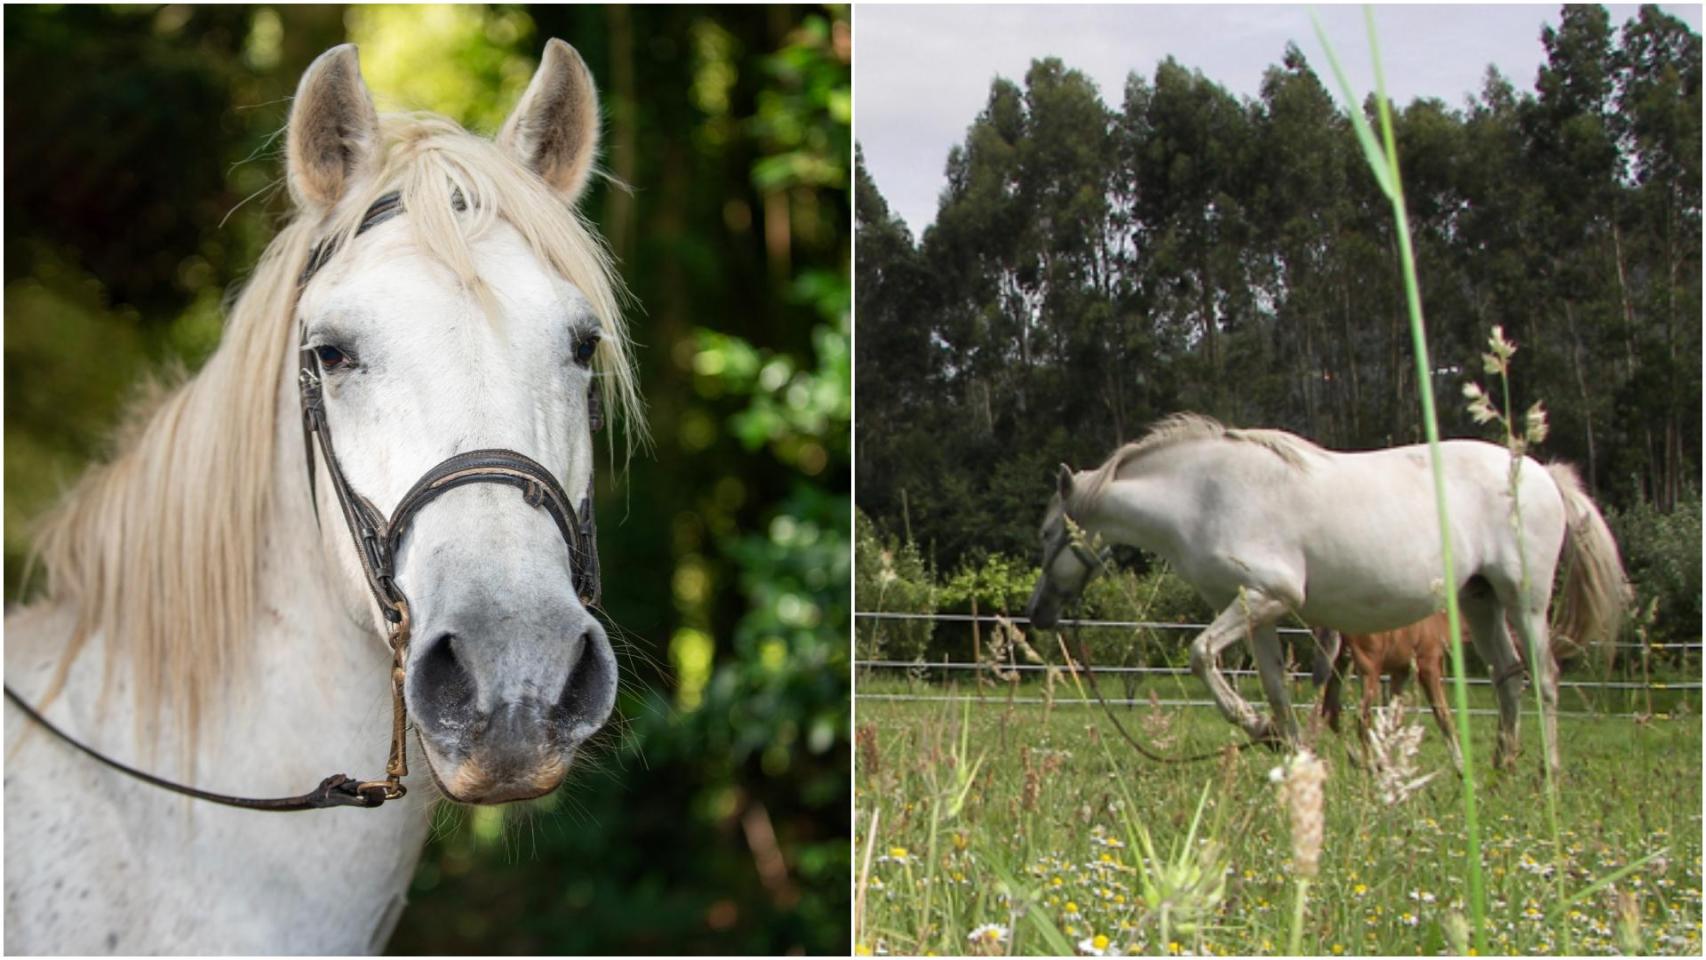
x,y
1595,592
1326,653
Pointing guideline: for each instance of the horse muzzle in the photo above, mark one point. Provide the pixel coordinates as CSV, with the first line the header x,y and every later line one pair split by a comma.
x,y
1043,610
512,753
497,724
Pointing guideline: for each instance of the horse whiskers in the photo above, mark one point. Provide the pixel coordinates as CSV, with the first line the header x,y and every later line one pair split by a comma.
x,y
620,642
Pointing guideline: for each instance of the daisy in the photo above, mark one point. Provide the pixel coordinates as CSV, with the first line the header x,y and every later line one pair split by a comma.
x,y
1098,946
988,936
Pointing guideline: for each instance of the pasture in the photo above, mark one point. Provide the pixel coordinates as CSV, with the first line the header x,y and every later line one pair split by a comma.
x,y
1012,827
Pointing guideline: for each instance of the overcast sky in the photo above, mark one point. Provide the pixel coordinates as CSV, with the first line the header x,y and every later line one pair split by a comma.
x,y
922,73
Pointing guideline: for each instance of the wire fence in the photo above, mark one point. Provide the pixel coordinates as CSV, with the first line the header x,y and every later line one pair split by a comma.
x,y
1158,625
1166,702
1185,672
916,669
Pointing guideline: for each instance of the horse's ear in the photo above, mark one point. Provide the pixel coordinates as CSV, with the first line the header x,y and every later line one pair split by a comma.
x,y
1065,483
554,129
333,140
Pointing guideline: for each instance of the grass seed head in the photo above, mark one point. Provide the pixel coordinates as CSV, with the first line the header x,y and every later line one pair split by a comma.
x,y
1394,747
1302,780
1535,427
1629,924
1457,933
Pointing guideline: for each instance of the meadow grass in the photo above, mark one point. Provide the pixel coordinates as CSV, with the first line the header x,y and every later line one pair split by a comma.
x,y
1035,821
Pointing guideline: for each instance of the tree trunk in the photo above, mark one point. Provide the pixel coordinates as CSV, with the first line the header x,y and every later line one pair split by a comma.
x,y
1354,426
1582,391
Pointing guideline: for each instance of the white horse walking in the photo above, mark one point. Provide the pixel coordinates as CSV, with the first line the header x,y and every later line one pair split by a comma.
x,y
208,617
1263,523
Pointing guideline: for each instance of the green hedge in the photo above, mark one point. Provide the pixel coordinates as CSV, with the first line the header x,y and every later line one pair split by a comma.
x,y
1661,552
890,577
893,576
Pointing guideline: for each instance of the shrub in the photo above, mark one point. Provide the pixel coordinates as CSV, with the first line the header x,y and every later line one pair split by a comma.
x,y
890,577
1000,583
1661,551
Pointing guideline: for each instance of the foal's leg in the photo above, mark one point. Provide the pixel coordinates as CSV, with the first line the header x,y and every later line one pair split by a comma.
x,y
1429,671
1370,671
1400,677
1330,705
1243,617
1369,666
1485,617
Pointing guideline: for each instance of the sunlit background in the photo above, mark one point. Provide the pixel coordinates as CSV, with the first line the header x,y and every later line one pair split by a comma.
x,y
143,157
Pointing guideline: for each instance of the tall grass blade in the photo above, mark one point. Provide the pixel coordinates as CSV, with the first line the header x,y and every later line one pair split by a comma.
x,y
1384,164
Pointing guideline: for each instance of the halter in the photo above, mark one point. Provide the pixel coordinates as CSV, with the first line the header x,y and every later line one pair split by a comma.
x,y
376,539
1093,559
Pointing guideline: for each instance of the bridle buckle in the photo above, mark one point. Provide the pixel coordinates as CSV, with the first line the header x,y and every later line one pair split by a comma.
x,y
379,791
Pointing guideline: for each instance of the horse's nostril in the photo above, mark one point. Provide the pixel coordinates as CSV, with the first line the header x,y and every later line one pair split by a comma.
x,y
444,690
588,694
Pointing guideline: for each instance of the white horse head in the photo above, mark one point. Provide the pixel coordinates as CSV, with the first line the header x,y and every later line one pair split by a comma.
x,y
435,295
1068,563
475,318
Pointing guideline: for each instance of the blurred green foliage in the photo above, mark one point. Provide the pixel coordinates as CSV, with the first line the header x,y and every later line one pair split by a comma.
x,y
1661,551
143,153
890,576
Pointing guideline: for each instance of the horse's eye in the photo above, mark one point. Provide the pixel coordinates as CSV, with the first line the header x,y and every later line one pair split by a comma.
x,y
331,358
585,347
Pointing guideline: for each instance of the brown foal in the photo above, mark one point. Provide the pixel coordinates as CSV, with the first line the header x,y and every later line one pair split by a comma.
x,y
1420,647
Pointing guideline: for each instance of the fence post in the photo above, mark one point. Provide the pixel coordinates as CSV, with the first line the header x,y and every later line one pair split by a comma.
x,y
976,645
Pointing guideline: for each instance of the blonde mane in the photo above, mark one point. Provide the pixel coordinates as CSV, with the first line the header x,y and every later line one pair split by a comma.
x,y
1183,427
158,549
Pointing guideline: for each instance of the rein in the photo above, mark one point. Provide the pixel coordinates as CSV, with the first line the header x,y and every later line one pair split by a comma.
x,y
376,539
1099,560
336,790
1083,652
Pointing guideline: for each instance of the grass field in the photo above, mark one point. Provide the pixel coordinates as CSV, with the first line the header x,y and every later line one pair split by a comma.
x,y
1022,829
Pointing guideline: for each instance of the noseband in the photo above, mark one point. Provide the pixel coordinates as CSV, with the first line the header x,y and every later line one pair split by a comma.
x,y
1093,559
376,539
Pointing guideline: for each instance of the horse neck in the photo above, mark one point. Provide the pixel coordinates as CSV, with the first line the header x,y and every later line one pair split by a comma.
x,y
1135,512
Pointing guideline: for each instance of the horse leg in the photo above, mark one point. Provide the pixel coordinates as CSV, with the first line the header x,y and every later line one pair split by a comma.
x,y
1270,664
1400,677
1369,669
1330,706
1244,616
1531,625
1485,618
1329,649
1429,670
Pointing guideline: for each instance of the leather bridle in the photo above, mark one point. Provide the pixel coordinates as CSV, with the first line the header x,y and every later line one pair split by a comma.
x,y
1064,541
376,539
